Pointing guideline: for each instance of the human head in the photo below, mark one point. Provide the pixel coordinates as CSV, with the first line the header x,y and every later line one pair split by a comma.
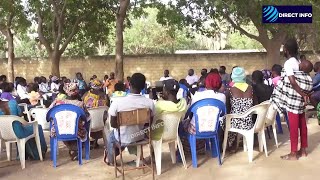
x,y
37,80
222,70
112,75
71,90
94,77
170,89
214,70
96,84
106,77
257,77
190,72
213,81
43,79
63,78
303,57
184,82
204,72
55,79
290,48
23,82
306,66
32,87
137,83
166,73
238,75
316,67
7,87
3,78
128,78
276,70
79,76
50,77
119,86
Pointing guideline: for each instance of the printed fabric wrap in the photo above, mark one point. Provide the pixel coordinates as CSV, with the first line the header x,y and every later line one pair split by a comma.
x,y
284,97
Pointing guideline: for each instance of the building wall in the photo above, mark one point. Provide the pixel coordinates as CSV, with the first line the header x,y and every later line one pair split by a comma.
x,y
151,66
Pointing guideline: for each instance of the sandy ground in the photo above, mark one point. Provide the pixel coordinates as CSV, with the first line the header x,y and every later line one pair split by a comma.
x,y
235,166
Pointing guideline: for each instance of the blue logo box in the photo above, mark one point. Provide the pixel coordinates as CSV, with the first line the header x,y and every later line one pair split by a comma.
x,y
286,14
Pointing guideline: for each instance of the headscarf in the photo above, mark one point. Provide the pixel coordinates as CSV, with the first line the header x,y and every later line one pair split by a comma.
x,y
238,75
239,79
71,89
213,81
96,84
54,78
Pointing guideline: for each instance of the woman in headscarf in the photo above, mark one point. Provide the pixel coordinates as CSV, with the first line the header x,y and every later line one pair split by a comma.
x,y
73,98
239,100
95,97
213,83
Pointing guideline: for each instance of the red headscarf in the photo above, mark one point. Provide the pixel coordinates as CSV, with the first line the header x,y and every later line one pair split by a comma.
x,y
213,81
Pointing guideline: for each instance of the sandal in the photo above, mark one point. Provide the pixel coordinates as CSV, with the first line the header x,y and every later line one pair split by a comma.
x,y
105,157
302,153
291,157
73,155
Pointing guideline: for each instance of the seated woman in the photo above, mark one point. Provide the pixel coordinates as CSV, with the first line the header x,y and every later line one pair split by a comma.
x,y
239,100
213,83
73,98
95,97
10,108
7,91
261,91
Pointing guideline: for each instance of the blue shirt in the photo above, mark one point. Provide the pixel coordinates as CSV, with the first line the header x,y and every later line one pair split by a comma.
x,y
316,81
13,107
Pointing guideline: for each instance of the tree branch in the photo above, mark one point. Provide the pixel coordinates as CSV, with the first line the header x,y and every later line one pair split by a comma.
x,y
239,28
73,32
42,39
60,25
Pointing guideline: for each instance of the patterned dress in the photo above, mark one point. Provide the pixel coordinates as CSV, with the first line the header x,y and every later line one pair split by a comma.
x,y
239,106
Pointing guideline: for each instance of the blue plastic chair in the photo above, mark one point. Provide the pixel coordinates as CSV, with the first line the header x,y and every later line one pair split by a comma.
x,y
210,135
63,136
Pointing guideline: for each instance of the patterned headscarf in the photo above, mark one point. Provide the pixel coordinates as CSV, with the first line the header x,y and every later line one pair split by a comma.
x,y
71,89
96,84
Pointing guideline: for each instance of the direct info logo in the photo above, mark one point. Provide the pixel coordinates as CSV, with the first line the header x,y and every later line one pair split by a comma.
x,y
287,14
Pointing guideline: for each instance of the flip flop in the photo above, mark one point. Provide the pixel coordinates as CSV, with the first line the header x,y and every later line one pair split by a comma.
x,y
288,157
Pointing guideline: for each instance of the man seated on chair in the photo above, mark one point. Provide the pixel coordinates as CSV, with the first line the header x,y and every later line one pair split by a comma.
x,y
132,101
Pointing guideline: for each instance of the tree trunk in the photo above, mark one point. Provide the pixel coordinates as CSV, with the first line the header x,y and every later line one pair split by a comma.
x,y
273,53
119,38
10,55
55,63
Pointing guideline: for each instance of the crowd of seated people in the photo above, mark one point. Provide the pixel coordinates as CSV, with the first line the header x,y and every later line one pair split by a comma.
x,y
234,90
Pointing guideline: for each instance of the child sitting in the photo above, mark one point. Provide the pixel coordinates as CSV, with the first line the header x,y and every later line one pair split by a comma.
x,y
119,90
34,95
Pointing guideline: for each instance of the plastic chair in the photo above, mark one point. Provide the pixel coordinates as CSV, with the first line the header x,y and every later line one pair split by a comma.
x,y
271,121
25,110
170,136
97,123
66,118
206,113
248,135
9,137
39,114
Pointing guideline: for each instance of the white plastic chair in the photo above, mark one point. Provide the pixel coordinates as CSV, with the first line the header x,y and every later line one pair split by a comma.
x,y
97,123
170,135
248,135
9,137
25,110
271,121
40,114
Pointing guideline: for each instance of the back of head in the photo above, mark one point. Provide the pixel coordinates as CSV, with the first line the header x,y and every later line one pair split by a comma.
x,y
222,69
292,47
7,87
3,78
138,82
257,77
37,80
277,69
214,70
33,87
213,81
183,81
317,66
119,86
171,87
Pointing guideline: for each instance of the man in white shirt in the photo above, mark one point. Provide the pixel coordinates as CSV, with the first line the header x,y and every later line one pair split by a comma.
x,y
22,89
192,78
166,75
132,101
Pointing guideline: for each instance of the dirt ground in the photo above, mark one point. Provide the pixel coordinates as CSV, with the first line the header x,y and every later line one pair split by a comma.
x,y
235,166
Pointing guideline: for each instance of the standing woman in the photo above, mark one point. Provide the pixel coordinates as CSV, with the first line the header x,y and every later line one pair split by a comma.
x,y
291,94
